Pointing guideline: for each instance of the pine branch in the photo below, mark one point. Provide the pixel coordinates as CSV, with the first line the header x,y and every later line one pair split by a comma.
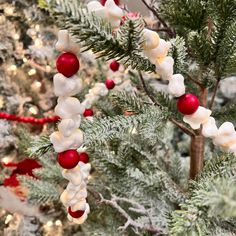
x,y
96,34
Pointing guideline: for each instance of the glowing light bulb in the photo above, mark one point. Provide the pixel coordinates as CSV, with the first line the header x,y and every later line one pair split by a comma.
x,y
6,160
58,223
32,72
36,85
12,68
33,110
48,68
9,10
50,223
25,59
37,27
8,219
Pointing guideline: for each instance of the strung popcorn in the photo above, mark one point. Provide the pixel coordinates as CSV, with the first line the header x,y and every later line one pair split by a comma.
x,y
64,87
67,126
198,118
150,39
165,68
110,12
176,85
65,43
160,52
209,129
62,143
69,107
226,136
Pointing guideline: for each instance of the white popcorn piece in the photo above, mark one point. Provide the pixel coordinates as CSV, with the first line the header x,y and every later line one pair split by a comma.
x,y
85,169
176,85
68,107
66,197
151,39
99,89
98,9
165,68
66,43
68,126
226,136
82,219
209,129
79,205
62,43
62,143
160,51
66,87
73,175
114,12
198,118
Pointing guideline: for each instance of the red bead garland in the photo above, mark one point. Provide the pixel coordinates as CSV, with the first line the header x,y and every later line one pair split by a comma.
x,y
110,84
67,64
187,104
114,65
88,112
68,159
75,214
84,157
32,120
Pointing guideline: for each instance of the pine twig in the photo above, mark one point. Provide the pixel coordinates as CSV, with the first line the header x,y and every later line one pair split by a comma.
x,y
129,221
168,30
181,126
214,93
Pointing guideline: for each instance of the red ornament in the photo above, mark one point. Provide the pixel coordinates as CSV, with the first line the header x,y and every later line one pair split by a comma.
x,y
114,66
117,2
68,159
75,214
67,64
88,112
12,181
110,84
187,104
84,157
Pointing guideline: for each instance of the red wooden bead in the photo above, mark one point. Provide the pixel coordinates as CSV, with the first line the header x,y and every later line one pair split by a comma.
x,y
84,157
67,64
75,214
187,104
88,112
117,2
110,84
68,159
114,66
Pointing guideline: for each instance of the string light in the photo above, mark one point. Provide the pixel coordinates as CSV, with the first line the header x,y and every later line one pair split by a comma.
x,y
36,85
9,10
25,59
50,223
58,223
33,110
48,68
38,42
31,72
12,68
37,27
8,219
6,160
16,36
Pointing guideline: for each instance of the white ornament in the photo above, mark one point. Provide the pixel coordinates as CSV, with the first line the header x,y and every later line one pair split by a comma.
x,y
209,129
151,39
226,135
160,51
198,118
62,143
176,85
68,126
65,87
165,68
68,107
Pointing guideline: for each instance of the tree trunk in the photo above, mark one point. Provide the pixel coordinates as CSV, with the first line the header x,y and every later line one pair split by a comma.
x,y
197,155
197,145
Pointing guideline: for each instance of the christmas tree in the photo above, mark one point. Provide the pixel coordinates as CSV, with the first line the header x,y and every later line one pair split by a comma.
x,y
160,165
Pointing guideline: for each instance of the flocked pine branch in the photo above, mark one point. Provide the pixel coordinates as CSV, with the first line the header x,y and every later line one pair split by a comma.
x,y
97,35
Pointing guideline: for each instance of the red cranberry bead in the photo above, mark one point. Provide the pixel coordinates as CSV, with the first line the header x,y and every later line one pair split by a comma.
x,y
110,84
75,214
68,159
67,64
114,66
84,157
88,112
117,2
187,104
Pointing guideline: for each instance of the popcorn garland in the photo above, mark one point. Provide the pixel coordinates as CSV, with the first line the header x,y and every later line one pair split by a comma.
x,y
69,137
156,50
